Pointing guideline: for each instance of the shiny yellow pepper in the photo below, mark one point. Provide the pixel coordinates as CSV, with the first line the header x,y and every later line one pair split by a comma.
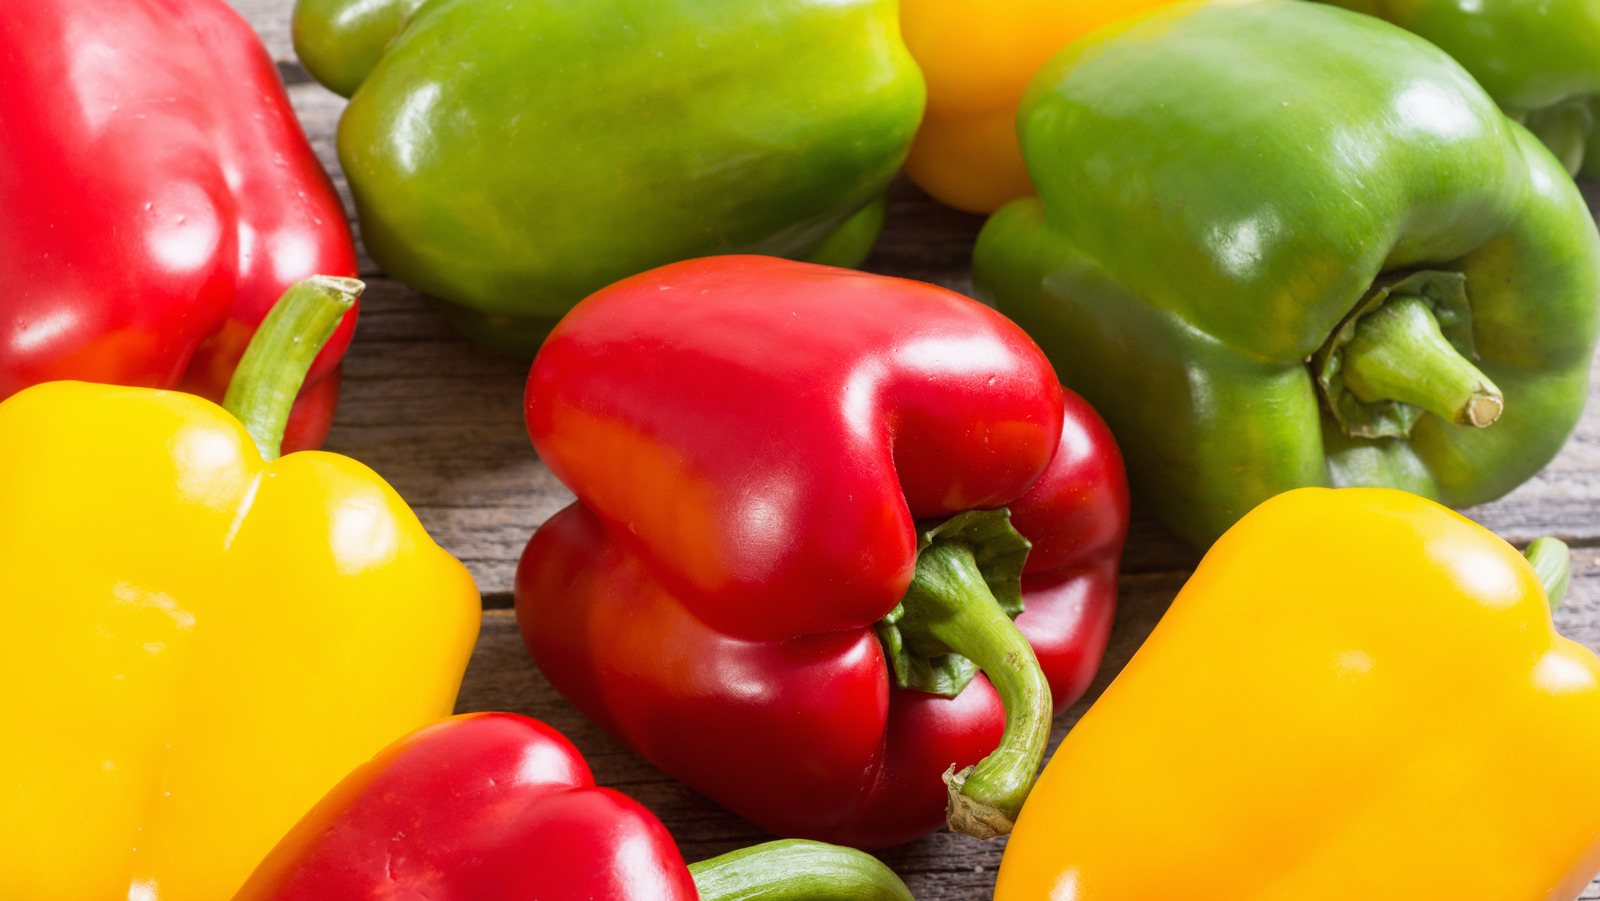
x,y
1359,694
199,644
977,57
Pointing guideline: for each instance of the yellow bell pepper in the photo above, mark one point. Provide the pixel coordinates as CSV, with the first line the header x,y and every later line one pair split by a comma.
x,y
1358,695
199,644
977,57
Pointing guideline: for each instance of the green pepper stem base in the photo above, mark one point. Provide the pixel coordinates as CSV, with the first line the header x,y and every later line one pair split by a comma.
x,y
797,870
275,363
1398,353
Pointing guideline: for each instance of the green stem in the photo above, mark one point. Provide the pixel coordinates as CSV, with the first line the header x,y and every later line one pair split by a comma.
x,y
797,870
955,607
275,364
1399,354
1553,562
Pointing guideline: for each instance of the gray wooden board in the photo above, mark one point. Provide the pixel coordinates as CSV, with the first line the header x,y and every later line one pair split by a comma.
x,y
441,420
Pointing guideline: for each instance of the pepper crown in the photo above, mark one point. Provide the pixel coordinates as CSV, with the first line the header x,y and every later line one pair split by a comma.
x,y
1406,350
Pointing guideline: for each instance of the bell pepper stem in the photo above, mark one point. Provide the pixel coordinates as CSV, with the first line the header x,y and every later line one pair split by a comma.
x,y
797,870
1399,354
275,363
1553,562
959,610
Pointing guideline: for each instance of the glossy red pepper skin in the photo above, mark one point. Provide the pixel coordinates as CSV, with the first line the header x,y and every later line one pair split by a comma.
x,y
159,197
751,441
479,806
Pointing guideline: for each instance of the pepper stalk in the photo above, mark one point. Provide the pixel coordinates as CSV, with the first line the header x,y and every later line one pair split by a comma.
x,y
1405,350
1399,354
274,365
955,620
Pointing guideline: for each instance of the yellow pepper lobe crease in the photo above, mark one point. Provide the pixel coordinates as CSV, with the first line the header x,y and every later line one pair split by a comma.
x,y
1359,694
199,644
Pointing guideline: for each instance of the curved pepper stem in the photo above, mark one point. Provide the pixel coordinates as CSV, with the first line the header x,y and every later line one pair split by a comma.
x,y
275,364
1398,353
1553,562
985,799
954,620
797,870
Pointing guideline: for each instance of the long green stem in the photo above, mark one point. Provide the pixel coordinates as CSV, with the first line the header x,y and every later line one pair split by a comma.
x,y
796,870
1398,353
1553,562
275,364
955,607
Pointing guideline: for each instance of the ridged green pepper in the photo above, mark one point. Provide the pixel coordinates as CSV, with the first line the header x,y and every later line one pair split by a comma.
x,y
510,157
1539,60
1278,244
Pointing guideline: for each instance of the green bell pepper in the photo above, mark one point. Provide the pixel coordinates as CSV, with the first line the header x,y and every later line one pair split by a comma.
x,y
510,157
1539,60
1279,244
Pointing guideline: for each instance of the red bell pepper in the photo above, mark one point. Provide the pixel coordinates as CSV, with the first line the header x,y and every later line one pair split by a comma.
x,y
759,448
497,806
159,197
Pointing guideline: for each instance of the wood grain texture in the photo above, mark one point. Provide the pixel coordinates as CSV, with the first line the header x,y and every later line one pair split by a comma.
x,y
442,420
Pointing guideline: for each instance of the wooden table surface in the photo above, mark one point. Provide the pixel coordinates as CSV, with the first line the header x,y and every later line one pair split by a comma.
x,y
441,420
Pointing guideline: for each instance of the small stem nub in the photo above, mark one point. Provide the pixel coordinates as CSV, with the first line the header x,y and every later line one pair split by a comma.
x,y
957,610
797,870
1553,562
279,355
1399,354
